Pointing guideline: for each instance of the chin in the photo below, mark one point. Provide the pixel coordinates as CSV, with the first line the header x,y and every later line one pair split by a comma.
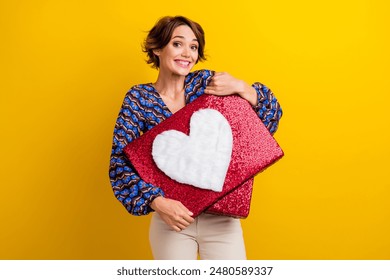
x,y
183,72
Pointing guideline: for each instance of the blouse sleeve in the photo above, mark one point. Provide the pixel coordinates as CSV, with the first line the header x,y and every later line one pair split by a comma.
x,y
267,108
134,193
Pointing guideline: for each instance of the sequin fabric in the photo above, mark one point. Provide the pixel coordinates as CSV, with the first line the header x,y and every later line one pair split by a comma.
x,y
253,150
236,203
143,109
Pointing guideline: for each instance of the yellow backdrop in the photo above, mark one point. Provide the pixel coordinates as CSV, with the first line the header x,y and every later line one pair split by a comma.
x,y
66,65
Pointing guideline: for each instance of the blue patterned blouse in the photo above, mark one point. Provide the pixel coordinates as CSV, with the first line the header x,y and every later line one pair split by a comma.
x,y
142,109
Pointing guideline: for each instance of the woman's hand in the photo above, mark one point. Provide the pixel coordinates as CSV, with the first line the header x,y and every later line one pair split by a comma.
x,y
223,83
173,213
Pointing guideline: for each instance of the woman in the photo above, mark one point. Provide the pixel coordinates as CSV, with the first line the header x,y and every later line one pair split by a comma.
x,y
174,45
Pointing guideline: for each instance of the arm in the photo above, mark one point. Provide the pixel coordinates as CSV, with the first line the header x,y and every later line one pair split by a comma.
x,y
267,108
258,95
135,194
139,197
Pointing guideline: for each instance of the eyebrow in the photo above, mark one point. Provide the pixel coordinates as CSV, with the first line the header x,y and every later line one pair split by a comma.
x,y
182,37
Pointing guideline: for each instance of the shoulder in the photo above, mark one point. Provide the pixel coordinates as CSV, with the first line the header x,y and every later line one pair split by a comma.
x,y
200,74
140,89
199,77
144,97
141,92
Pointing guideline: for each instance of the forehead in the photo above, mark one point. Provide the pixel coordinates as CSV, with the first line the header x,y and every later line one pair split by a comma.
x,y
184,31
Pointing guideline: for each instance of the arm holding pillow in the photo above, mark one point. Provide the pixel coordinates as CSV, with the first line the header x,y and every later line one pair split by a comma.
x,y
134,193
137,196
258,95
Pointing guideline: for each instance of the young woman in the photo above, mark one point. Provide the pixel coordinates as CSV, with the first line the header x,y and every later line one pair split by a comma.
x,y
174,45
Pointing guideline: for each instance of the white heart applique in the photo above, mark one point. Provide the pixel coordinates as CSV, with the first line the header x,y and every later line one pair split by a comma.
x,y
200,159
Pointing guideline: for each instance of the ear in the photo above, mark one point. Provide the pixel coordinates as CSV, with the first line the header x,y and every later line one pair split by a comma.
x,y
157,52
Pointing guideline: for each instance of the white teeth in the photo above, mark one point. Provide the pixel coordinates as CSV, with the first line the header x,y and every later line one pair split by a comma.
x,y
183,63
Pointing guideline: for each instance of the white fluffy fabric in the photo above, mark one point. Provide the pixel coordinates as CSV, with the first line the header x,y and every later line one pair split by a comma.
x,y
200,159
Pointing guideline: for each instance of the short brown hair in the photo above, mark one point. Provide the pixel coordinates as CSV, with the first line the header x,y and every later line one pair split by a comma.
x,y
161,33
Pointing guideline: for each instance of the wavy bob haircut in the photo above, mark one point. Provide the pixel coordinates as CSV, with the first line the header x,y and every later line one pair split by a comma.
x,y
161,33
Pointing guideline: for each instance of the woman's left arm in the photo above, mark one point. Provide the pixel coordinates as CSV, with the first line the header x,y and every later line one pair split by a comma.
x,y
258,95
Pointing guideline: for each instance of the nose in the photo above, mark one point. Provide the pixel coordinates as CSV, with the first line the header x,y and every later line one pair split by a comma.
x,y
185,53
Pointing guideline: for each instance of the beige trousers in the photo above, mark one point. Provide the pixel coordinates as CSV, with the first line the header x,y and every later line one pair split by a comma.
x,y
213,237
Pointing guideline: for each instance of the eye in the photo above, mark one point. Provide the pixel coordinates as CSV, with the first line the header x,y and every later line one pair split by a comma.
x,y
176,44
194,47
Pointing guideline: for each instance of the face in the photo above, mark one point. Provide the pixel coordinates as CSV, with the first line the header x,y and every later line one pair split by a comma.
x,y
181,53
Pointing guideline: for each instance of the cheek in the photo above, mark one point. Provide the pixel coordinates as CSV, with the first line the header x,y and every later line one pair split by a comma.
x,y
196,56
170,52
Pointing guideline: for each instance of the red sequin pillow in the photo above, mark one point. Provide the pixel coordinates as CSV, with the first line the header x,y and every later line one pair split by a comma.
x,y
236,203
252,149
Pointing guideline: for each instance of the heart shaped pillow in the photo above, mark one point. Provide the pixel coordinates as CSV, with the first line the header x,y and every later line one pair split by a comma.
x,y
253,150
200,159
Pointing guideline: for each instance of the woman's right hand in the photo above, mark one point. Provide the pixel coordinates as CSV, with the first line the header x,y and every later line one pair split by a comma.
x,y
173,213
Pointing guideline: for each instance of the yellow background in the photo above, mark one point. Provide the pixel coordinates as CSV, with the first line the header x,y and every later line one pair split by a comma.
x,y
66,65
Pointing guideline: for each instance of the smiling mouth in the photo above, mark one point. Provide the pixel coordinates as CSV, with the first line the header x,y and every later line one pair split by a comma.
x,y
183,63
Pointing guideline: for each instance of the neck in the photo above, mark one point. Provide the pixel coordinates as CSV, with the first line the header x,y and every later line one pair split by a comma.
x,y
169,85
